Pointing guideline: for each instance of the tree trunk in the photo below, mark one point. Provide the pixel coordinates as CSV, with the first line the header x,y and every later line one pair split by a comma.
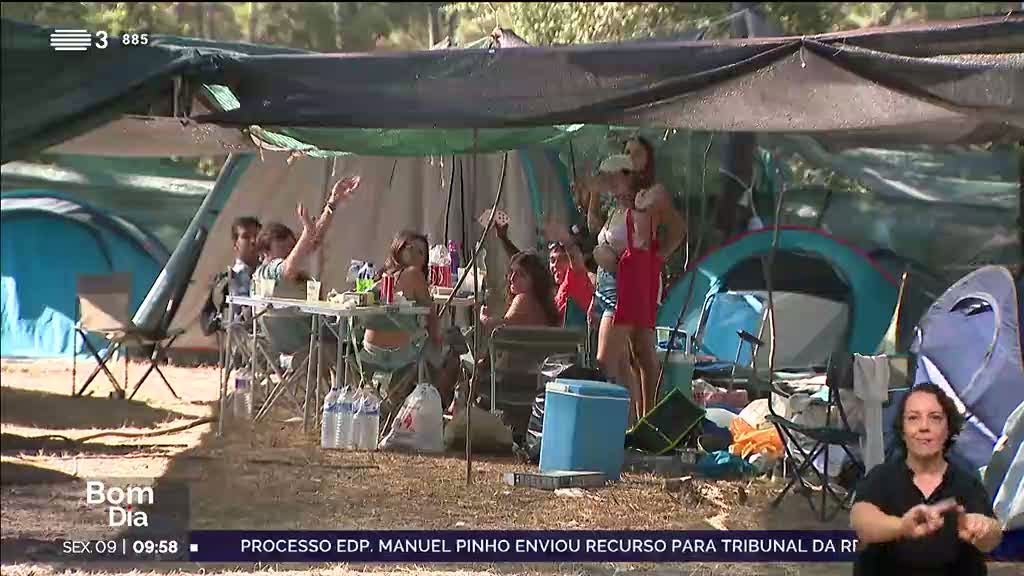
x,y
890,14
200,16
737,159
433,23
453,24
254,15
339,25
211,21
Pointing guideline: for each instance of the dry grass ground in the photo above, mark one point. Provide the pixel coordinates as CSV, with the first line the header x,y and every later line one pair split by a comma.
x,y
272,476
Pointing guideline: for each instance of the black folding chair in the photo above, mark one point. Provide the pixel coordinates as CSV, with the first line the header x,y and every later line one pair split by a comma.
x,y
835,432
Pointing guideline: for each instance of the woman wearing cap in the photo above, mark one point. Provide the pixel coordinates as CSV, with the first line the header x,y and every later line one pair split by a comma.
x,y
629,256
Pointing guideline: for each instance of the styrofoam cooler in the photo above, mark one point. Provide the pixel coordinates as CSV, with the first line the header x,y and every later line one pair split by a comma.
x,y
584,427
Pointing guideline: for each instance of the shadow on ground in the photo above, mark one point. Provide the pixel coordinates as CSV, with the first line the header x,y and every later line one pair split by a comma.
x,y
16,474
38,409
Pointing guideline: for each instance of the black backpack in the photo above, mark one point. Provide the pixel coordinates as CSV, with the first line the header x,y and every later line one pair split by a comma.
x,y
211,316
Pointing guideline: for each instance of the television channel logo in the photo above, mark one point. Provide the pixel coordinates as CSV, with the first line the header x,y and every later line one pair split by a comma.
x,y
70,40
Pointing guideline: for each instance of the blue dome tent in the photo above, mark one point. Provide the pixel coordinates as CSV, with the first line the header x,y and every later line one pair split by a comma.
x,y
49,239
808,261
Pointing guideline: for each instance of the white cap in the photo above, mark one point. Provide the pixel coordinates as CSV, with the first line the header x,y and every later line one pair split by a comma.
x,y
616,163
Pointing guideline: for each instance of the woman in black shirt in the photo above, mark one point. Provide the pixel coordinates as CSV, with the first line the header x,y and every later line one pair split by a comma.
x,y
920,514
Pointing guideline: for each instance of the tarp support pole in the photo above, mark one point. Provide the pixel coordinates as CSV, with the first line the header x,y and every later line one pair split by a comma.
x,y
152,314
768,275
1020,203
475,378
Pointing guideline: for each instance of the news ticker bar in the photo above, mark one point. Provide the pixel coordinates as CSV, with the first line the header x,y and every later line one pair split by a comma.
x,y
522,546
430,546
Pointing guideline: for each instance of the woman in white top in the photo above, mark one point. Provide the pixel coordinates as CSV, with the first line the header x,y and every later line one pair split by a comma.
x,y
646,204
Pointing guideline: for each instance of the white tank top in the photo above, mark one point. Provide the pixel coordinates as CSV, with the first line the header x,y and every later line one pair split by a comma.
x,y
614,231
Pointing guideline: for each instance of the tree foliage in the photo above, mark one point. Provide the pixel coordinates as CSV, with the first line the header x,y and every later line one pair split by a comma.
x,y
549,23
319,26
366,26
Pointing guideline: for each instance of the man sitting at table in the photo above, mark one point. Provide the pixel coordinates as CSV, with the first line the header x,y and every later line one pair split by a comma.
x,y
284,263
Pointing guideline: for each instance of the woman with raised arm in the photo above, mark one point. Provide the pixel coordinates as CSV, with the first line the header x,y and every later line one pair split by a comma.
x,y
566,262
285,260
637,234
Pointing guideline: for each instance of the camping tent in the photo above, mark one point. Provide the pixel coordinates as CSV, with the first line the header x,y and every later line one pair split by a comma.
x,y
48,240
969,343
159,196
807,262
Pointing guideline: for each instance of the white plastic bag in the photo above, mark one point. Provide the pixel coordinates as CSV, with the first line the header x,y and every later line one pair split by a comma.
x,y
419,425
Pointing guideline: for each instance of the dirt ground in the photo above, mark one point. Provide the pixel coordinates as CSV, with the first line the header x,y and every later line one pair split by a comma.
x,y
272,476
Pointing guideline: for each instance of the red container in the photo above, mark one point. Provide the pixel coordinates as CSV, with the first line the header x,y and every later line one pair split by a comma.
x,y
387,289
440,276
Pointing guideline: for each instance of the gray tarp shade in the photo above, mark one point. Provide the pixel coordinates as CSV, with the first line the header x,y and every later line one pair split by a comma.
x,y
950,82
908,80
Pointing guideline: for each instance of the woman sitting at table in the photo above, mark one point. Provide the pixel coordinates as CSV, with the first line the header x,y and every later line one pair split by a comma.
x,y
531,302
575,290
531,296
393,344
284,263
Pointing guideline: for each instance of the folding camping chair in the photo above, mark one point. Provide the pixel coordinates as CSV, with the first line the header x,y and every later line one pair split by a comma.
x,y
287,373
103,303
516,355
839,375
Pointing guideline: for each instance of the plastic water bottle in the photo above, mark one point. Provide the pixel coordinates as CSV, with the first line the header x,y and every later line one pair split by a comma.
x,y
346,418
243,394
366,424
329,422
453,253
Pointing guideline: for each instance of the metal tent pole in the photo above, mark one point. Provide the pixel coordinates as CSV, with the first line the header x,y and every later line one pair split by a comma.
x,y
476,317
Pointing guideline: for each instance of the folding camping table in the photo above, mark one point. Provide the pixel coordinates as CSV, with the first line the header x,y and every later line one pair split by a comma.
x,y
343,317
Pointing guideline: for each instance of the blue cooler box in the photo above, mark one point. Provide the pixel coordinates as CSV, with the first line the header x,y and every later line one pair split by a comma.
x,y
584,427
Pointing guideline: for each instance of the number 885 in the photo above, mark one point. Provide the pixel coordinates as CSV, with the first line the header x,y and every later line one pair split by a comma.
x,y
134,39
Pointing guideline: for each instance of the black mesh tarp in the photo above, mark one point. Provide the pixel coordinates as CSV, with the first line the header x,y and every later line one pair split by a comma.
x,y
952,82
908,81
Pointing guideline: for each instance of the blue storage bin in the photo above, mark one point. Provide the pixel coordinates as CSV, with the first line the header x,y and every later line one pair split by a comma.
x,y
584,427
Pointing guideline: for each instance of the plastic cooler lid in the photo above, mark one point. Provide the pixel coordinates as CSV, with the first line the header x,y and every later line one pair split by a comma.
x,y
587,388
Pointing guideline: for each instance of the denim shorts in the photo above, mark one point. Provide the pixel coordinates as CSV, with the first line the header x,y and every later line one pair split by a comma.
x,y
392,359
605,294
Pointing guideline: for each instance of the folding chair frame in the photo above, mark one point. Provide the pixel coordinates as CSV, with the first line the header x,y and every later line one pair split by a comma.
x,y
118,343
823,438
580,350
101,364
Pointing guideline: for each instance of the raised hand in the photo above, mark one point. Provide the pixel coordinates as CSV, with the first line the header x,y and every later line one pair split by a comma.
x,y
307,222
343,189
501,230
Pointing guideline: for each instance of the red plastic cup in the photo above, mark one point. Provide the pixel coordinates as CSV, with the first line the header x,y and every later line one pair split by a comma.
x,y
440,276
387,289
